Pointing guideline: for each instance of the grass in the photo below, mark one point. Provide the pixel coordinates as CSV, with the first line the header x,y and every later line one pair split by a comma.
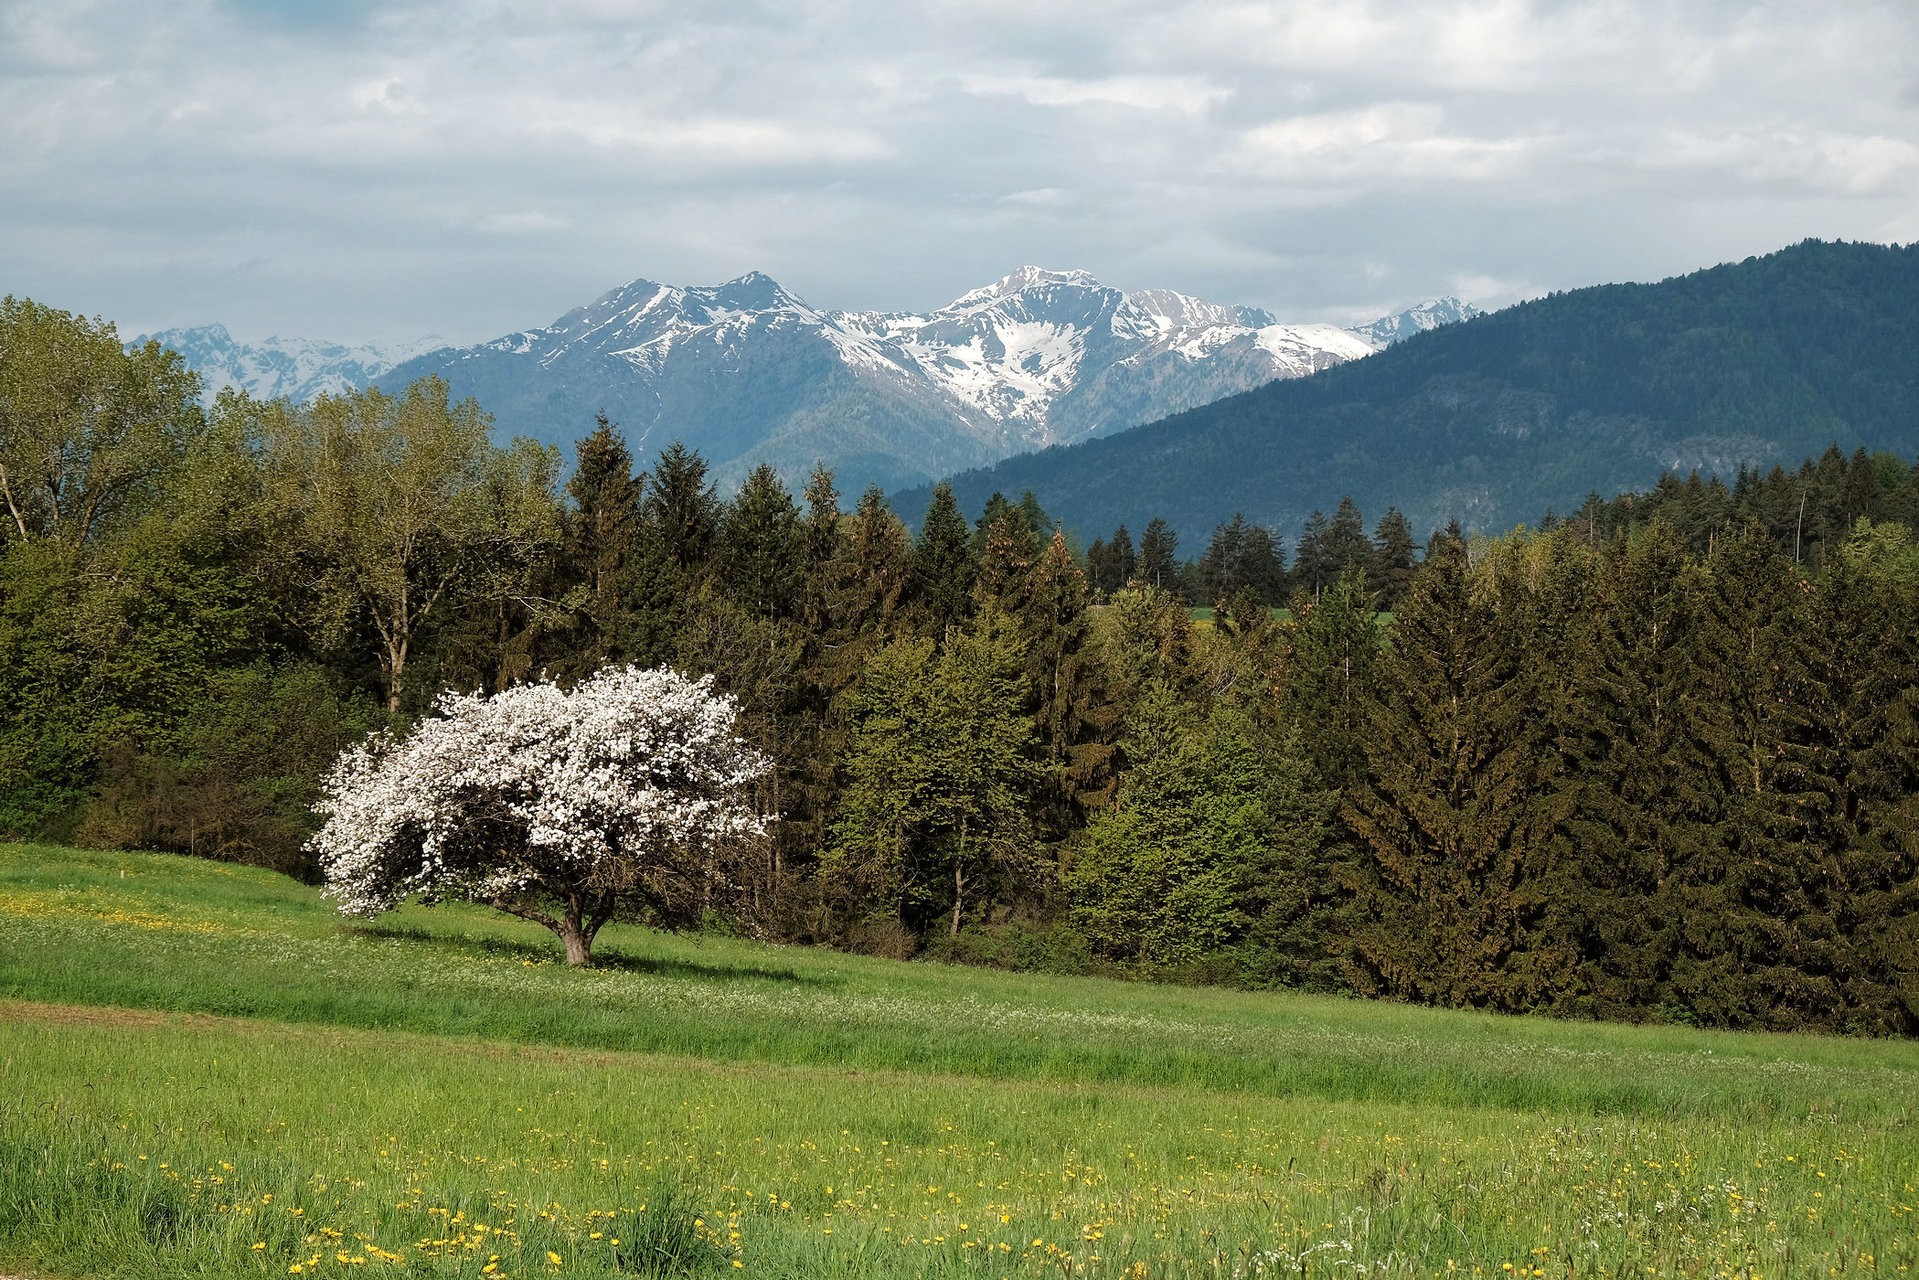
x,y
192,1052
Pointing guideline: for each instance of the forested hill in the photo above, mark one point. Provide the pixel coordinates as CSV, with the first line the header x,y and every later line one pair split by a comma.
x,y
1499,419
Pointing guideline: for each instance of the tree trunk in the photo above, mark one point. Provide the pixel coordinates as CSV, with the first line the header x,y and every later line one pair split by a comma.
x,y
577,934
959,877
959,894
579,947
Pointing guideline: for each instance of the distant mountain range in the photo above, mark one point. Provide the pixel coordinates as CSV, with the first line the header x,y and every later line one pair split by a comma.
x,y
1500,419
747,373
296,369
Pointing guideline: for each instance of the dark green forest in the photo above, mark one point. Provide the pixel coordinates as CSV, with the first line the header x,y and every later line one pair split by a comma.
x,y
1655,759
1497,419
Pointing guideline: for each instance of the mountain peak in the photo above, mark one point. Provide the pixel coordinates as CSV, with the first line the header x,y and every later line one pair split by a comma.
x,y
1430,314
1178,308
203,333
754,291
1028,277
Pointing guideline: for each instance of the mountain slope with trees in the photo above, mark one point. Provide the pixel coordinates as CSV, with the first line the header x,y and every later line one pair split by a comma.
x,y
1497,420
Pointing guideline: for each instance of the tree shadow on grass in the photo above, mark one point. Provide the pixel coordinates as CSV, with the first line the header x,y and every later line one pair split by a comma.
x,y
603,958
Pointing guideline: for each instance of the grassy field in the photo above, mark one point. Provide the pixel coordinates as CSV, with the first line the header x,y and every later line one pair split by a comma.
x,y
204,1072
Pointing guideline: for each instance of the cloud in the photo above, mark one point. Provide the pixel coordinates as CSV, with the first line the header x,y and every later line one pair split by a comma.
x,y
473,166
1147,93
1811,162
531,221
1391,141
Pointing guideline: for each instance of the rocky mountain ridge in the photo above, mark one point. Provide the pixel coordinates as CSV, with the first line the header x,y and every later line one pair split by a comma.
x,y
746,371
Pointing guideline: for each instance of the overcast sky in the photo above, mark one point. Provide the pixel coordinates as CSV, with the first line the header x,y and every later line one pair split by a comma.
x,y
381,171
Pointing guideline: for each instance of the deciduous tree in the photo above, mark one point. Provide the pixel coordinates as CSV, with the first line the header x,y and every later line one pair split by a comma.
x,y
560,807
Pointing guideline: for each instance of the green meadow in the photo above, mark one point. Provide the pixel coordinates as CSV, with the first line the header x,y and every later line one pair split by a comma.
x,y
205,1072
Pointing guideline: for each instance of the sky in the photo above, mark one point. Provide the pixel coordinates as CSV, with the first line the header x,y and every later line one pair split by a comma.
x,y
366,171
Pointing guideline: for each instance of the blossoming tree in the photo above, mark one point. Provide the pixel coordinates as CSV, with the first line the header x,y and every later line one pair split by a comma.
x,y
561,807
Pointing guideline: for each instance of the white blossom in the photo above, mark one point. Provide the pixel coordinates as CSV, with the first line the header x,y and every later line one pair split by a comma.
x,y
539,795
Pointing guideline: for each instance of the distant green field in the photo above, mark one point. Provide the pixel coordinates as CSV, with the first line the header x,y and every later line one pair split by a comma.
x,y
205,1072
1203,614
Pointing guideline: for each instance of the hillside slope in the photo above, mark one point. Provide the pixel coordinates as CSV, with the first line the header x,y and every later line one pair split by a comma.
x,y
1498,419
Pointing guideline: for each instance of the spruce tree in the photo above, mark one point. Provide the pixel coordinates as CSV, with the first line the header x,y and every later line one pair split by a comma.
x,y
1125,559
870,577
820,547
1867,615
1006,558
1074,711
602,537
679,522
1347,546
1647,799
1393,553
1314,568
1331,679
1158,561
943,564
1263,566
1448,815
1747,899
1222,568
1100,567
760,547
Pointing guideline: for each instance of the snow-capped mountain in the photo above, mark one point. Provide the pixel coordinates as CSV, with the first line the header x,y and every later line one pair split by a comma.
x,y
1387,330
296,369
747,373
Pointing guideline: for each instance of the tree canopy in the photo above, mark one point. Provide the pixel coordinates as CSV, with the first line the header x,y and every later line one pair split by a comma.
x,y
559,806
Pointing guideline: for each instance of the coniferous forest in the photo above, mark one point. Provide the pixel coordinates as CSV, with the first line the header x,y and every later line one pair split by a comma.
x,y
1657,759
